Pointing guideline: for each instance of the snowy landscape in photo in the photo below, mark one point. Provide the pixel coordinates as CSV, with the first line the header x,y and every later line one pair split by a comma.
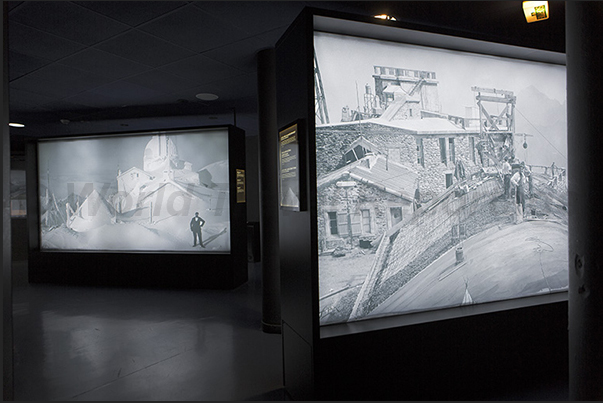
x,y
135,193
441,178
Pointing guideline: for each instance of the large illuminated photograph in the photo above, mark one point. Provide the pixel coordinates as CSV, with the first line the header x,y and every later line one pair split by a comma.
x,y
163,191
441,178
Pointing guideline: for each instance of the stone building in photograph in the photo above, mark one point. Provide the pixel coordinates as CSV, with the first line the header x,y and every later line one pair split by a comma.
x,y
363,200
422,152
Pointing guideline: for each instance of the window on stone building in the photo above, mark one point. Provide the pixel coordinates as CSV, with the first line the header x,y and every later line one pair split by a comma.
x,y
396,215
443,158
366,221
420,153
332,222
451,149
344,224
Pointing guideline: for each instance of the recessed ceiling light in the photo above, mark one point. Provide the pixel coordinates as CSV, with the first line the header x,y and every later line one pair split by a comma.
x,y
207,97
16,125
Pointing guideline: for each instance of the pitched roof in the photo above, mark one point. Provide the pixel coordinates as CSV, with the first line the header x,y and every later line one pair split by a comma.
x,y
375,170
415,127
426,126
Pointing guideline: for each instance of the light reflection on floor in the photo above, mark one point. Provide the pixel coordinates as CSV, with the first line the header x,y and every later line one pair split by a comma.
x,y
87,343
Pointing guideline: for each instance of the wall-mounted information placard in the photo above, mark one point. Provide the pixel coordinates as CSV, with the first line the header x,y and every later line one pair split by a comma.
x,y
289,173
240,186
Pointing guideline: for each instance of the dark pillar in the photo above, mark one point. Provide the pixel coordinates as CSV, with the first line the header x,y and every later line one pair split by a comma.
x,y
7,290
268,153
584,30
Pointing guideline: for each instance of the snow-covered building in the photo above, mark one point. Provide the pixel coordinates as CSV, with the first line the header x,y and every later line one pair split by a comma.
x,y
168,186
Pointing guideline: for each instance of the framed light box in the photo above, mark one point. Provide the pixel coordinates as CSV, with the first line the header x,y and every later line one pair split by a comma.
x,y
441,174
155,195
135,193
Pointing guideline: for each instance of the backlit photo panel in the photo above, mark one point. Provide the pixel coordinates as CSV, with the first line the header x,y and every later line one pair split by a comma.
x,y
441,178
164,191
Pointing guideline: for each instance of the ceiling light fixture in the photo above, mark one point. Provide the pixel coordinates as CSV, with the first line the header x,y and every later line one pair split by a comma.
x,y
16,125
385,17
536,10
207,97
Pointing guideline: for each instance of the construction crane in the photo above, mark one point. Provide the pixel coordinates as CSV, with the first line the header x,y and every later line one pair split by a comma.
x,y
496,130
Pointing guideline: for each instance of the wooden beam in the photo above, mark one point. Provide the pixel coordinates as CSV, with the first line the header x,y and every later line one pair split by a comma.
x,y
505,100
487,115
492,91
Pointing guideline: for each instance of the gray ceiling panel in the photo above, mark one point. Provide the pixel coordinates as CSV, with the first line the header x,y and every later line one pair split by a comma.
x,y
94,100
128,94
104,64
253,17
20,64
21,97
228,90
67,20
194,29
268,39
32,42
162,81
132,13
58,81
201,70
240,55
64,105
145,49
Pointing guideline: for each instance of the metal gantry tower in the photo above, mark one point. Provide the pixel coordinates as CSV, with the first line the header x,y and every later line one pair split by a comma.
x,y
320,103
496,130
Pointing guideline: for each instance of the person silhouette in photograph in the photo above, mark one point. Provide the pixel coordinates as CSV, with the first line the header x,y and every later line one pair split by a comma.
x,y
196,224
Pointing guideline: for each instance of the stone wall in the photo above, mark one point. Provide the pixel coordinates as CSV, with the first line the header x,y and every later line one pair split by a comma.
x,y
332,141
362,196
410,110
413,238
432,176
419,233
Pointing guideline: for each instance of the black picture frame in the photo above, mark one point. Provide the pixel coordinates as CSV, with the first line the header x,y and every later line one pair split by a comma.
x,y
143,268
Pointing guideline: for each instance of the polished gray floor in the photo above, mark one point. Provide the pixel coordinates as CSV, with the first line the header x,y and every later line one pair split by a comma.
x,y
86,343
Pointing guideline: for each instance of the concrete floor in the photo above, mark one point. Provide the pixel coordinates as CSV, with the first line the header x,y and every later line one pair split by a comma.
x,y
87,343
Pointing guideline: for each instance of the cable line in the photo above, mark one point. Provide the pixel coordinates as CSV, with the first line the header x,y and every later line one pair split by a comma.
x,y
551,144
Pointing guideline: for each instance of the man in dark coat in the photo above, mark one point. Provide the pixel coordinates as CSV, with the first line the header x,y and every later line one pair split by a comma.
x,y
196,224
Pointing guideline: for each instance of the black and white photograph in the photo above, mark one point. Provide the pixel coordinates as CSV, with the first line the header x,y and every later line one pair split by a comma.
x,y
441,178
164,191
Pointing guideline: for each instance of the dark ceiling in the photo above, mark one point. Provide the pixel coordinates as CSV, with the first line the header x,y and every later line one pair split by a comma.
x,y
80,67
